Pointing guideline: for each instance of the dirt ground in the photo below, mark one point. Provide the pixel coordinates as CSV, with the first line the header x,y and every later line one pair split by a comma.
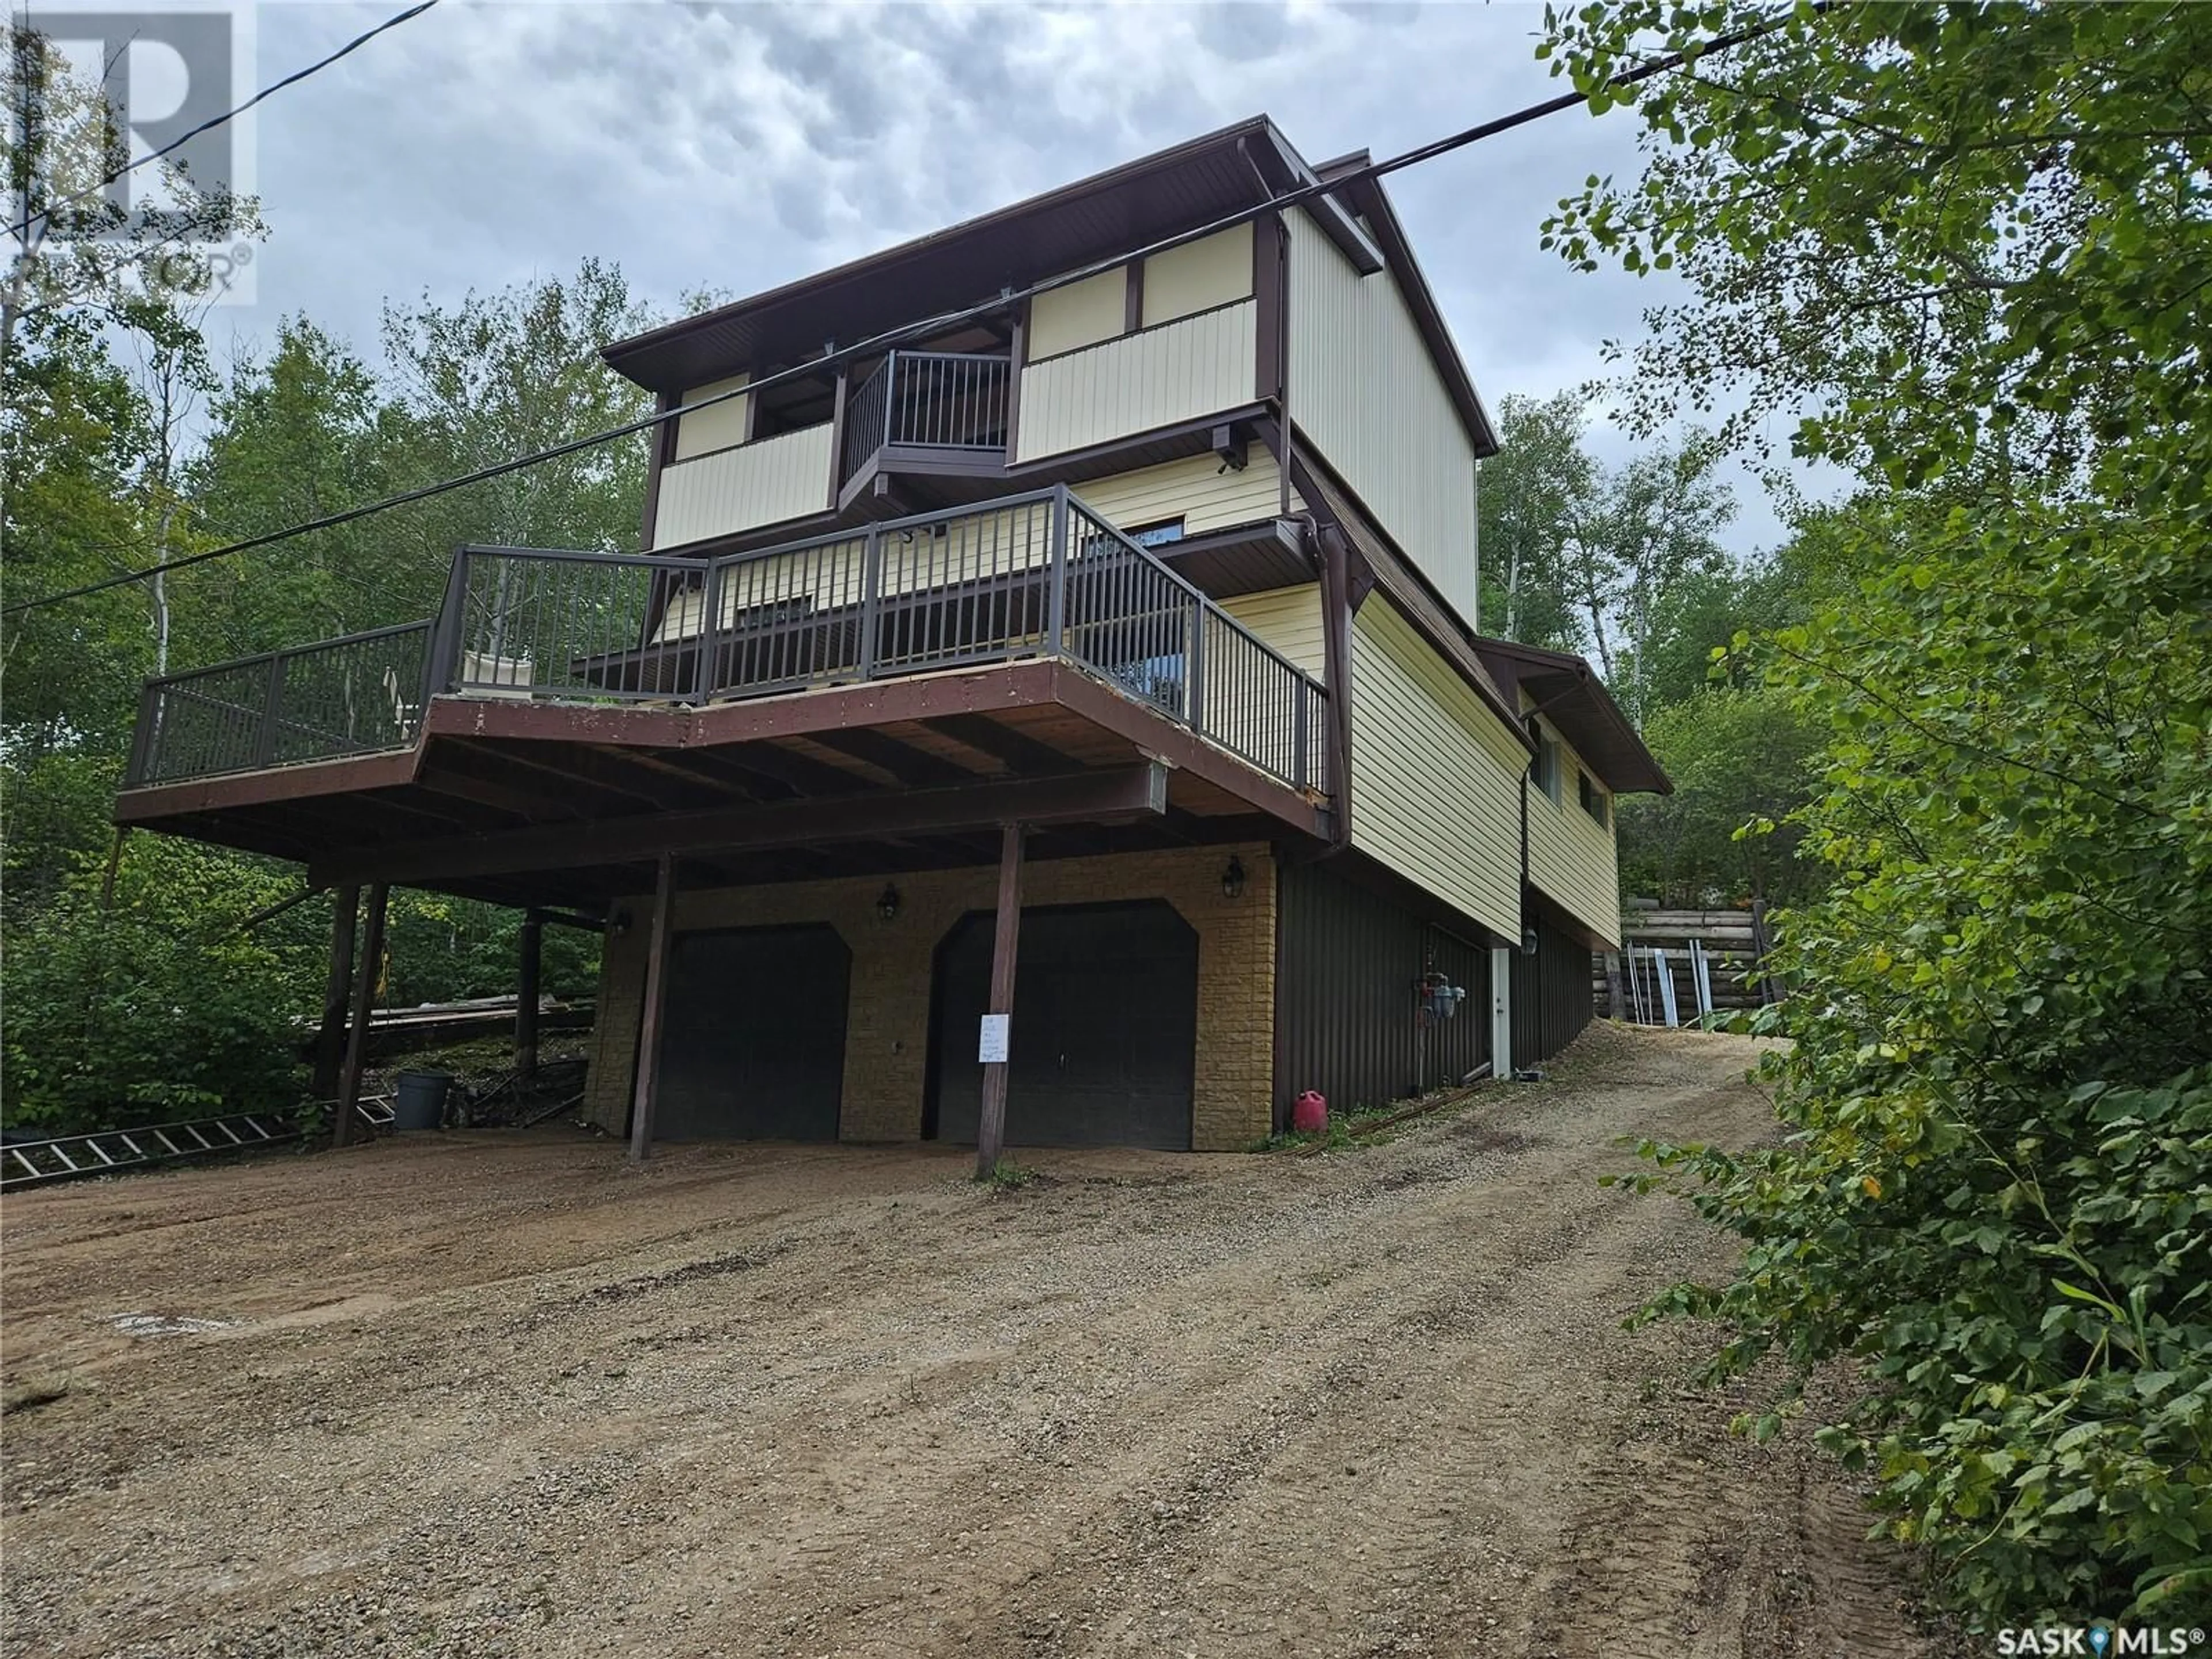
x,y
498,1393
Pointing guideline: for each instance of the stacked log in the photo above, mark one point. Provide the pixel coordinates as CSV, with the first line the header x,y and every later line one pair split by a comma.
x,y
1732,940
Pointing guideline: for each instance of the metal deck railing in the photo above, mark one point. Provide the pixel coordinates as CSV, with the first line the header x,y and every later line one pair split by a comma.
x,y
1033,576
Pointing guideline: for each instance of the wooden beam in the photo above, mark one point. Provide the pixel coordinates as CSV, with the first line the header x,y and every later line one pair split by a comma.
x,y
914,768
1017,752
1102,795
338,991
364,1000
656,1000
533,942
505,797
1005,939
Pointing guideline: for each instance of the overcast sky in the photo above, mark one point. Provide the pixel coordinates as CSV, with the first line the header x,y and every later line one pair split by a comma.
x,y
736,147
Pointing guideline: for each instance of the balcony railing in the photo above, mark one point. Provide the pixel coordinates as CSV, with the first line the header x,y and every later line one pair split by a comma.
x,y
1025,576
926,400
354,696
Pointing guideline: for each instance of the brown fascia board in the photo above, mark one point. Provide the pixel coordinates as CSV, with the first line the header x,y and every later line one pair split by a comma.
x,y
1374,204
1568,694
1275,165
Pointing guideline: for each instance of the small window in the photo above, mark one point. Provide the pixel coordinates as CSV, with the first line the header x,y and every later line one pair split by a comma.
x,y
1156,535
1593,797
1545,768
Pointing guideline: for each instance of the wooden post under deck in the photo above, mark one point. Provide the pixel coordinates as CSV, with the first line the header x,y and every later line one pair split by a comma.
x,y
364,999
656,996
991,1127
338,991
526,1001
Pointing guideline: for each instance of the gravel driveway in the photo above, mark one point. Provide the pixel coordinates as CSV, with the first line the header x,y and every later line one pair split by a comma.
x,y
502,1394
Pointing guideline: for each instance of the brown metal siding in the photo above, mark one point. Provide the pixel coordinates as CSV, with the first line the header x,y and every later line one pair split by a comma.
x,y
1347,1012
1551,994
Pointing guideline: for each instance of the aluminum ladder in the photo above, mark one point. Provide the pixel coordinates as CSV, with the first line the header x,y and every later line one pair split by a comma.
x,y
113,1152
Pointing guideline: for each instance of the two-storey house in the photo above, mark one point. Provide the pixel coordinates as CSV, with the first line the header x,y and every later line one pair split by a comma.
x,y
1104,658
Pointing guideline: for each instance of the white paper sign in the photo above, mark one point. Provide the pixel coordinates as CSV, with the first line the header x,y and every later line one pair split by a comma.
x,y
991,1050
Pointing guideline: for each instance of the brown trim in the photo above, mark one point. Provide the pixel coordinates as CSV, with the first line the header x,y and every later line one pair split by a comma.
x,y
1148,328
663,442
837,434
1018,752
1062,459
1267,288
1133,299
1017,361
278,783
1336,646
1106,795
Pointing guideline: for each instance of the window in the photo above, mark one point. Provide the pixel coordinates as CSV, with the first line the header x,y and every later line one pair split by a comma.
x,y
1545,767
1156,535
1593,797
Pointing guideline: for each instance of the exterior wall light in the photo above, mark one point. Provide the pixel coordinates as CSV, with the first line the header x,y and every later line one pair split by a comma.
x,y
1232,878
887,902
1529,942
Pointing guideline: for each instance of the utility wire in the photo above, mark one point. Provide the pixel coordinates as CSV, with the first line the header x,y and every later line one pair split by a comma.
x,y
31,217
905,331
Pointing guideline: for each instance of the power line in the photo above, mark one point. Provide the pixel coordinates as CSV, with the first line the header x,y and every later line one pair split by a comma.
x,y
905,331
30,217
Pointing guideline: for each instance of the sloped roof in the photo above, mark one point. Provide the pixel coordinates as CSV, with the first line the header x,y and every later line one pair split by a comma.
x,y
1568,693
1237,168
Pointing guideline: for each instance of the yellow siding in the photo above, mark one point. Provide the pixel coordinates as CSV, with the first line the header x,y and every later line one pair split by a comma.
x,y
1436,776
1288,619
1185,371
1215,270
1195,490
830,576
1082,314
718,428
1572,857
1364,389
786,476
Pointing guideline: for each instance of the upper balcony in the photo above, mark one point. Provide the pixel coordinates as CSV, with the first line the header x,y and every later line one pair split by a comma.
x,y
942,428
1025,640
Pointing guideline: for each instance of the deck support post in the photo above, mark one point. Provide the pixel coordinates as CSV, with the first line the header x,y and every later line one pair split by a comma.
x,y
364,999
991,1127
337,991
656,998
526,1001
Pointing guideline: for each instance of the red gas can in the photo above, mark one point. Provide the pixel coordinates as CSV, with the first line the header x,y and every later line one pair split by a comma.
x,y
1309,1114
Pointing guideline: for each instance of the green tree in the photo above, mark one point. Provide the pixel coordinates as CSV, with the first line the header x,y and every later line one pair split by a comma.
x,y
1536,491
1742,759
1969,248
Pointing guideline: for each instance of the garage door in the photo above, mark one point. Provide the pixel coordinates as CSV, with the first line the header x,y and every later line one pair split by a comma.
x,y
1105,1027
753,1038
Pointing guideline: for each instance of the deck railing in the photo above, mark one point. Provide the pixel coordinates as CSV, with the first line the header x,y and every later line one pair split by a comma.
x,y
353,696
926,400
1025,576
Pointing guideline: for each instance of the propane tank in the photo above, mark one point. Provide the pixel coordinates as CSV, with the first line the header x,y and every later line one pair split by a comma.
x,y
1309,1114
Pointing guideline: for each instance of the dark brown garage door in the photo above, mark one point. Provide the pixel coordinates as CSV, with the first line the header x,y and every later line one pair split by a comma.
x,y
753,1046
1105,1027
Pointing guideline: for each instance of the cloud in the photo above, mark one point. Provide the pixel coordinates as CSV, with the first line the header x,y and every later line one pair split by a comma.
x,y
736,148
